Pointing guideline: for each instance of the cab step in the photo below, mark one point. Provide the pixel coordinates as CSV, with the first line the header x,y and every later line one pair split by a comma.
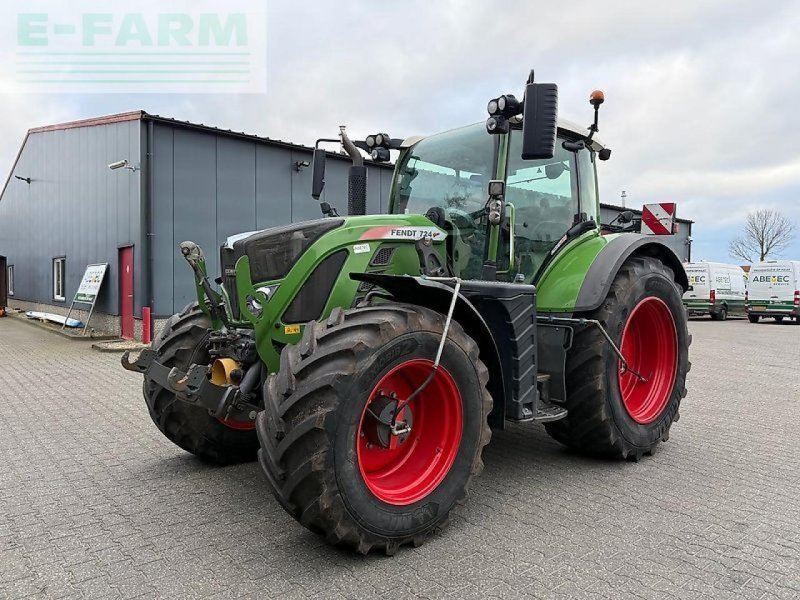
x,y
549,412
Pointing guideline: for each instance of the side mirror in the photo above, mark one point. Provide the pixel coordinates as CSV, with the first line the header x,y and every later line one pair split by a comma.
x,y
317,173
626,216
539,120
554,170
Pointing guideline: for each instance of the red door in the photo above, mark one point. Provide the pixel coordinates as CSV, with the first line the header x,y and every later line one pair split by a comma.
x,y
126,292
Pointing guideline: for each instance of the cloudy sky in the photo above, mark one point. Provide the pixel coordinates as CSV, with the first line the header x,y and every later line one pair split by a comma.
x,y
701,97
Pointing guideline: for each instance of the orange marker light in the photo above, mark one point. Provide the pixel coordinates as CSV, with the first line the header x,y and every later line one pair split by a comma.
x,y
596,98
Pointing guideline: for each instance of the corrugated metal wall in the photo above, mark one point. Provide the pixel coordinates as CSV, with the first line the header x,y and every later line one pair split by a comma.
x,y
210,186
74,207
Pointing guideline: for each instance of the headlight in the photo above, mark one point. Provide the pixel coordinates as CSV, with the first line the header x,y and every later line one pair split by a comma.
x,y
492,107
263,294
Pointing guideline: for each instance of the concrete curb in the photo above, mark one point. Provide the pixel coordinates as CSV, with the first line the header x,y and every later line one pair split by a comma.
x,y
120,347
52,328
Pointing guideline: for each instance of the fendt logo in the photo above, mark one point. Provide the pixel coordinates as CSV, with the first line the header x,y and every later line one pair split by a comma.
x,y
778,279
415,234
404,233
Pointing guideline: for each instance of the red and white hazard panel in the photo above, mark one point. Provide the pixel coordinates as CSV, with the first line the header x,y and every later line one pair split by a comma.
x,y
658,219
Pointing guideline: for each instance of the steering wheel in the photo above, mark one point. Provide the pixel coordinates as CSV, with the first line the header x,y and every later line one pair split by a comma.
x,y
554,229
461,219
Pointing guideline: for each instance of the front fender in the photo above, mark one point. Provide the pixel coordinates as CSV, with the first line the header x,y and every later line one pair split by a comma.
x,y
437,296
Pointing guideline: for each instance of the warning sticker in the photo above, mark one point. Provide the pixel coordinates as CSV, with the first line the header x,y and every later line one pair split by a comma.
x,y
291,329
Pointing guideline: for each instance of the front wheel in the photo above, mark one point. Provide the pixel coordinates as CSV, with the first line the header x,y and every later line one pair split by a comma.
x,y
624,409
753,318
327,446
778,319
182,342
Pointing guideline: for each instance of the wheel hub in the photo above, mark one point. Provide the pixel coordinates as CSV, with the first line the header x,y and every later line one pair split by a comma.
x,y
378,427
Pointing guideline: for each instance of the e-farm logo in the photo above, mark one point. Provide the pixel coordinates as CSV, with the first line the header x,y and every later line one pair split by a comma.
x,y
82,46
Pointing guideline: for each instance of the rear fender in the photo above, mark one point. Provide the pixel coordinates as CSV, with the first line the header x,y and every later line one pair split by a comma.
x,y
438,296
610,259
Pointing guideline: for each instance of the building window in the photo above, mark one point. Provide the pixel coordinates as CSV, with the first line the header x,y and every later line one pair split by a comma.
x,y
58,278
10,280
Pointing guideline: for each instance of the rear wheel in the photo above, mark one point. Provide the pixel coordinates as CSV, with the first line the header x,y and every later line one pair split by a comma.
x,y
753,318
326,445
182,342
721,314
618,410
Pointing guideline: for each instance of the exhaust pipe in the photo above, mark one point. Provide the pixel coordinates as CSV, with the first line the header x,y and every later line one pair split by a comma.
x,y
357,177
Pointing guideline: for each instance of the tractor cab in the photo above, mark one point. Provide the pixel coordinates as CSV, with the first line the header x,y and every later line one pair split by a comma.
x,y
445,177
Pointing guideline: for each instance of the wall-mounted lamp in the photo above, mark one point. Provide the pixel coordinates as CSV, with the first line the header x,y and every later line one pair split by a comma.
x,y
299,165
122,164
25,179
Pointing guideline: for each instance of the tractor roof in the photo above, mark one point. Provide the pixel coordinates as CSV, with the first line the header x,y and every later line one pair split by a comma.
x,y
564,126
574,128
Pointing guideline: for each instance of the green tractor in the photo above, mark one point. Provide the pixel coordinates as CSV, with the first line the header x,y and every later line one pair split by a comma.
x,y
366,358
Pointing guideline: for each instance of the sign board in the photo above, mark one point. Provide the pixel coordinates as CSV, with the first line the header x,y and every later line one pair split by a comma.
x,y
88,290
658,219
90,284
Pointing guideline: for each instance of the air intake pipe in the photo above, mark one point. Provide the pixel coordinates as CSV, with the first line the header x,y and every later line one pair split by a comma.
x,y
357,177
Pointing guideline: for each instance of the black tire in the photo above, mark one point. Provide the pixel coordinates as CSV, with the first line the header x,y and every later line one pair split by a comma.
x,y
753,318
778,319
180,343
310,430
720,315
598,423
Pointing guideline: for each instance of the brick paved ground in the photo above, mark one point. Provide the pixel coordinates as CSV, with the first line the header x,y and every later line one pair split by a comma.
x,y
95,503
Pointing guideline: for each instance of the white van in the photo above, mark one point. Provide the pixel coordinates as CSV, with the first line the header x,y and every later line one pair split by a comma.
x,y
774,290
715,289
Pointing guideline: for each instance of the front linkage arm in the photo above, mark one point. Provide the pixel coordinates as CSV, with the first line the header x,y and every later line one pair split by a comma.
x,y
194,256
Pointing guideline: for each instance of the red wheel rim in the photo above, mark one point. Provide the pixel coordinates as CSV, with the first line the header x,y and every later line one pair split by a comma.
x,y
650,347
238,425
413,465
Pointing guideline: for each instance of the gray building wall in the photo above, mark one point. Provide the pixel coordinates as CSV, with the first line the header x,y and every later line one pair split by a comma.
x,y
74,207
207,185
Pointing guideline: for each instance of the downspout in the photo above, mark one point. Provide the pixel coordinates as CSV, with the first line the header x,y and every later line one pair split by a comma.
x,y
147,247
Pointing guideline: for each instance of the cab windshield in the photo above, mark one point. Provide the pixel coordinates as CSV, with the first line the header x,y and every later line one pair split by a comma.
x,y
448,170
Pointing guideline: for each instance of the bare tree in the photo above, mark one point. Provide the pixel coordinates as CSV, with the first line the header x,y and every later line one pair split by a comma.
x,y
766,232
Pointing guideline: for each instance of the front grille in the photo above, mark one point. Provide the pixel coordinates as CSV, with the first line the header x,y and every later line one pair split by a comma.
x,y
227,261
313,295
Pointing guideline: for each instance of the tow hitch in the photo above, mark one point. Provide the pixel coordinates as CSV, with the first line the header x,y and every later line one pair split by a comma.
x,y
192,386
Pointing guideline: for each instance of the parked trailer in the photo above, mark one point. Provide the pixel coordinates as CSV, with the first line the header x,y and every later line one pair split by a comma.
x,y
774,290
715,289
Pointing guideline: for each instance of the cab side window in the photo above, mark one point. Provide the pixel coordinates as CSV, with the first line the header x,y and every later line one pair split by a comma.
x,y
544,195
